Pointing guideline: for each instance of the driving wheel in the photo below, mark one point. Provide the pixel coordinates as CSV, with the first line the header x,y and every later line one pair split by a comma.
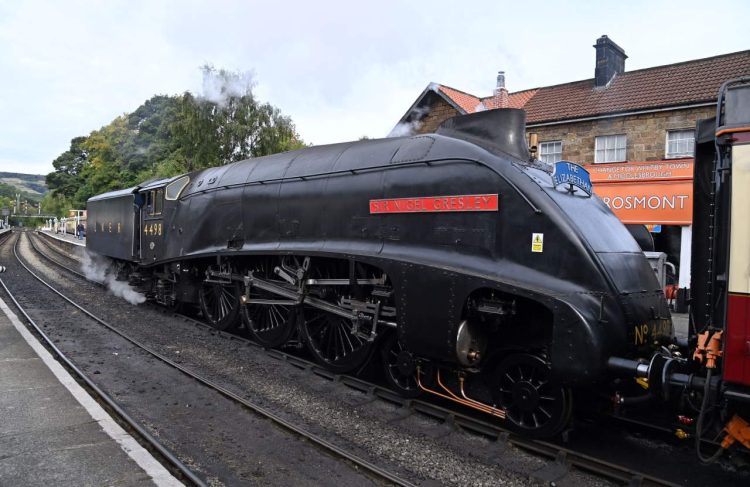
x,y
269,324
330,339
220,304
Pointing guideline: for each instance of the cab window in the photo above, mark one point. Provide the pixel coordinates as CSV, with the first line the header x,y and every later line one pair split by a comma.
x,y
155,202
158,201
175,188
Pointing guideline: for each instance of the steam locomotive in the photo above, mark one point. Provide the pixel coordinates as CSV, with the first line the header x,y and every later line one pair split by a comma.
x,y
474,272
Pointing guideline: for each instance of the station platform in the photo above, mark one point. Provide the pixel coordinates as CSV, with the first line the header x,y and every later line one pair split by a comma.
x,y
66,237
52,432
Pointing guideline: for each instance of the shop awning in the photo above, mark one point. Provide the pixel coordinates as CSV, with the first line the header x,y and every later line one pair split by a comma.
x,y
654,192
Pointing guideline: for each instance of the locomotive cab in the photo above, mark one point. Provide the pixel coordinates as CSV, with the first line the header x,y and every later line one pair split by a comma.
x,y
158,204
152,224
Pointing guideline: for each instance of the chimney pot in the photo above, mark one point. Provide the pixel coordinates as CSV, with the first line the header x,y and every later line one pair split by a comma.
x,y
610,61
501,79
501,99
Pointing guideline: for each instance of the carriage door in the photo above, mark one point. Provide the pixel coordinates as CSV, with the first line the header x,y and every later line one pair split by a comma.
x,y
152,225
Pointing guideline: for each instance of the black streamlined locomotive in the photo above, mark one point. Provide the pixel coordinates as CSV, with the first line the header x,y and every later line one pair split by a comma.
x,y
453,255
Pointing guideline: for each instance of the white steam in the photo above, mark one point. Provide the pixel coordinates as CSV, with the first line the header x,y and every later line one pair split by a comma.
x,y
99,269
405,129
219,86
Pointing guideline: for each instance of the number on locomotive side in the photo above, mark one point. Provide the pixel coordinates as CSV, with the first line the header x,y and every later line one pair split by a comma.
x,y
641,331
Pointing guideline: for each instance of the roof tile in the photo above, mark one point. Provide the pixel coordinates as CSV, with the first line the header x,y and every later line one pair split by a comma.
x,y
467,102
684,83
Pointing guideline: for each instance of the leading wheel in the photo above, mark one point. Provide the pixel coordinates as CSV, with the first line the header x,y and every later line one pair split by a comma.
x,y
330,339
220,304
535,404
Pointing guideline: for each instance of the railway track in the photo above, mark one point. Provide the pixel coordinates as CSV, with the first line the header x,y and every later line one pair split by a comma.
x,y
383,474
121,416
561,460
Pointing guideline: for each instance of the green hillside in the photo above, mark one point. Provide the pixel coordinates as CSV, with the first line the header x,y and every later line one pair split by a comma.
x,y
31,186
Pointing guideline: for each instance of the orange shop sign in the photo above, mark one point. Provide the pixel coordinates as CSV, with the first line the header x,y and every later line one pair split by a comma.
x,y
659,192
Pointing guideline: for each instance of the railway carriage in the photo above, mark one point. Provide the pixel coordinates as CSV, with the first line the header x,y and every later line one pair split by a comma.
x,y
474,272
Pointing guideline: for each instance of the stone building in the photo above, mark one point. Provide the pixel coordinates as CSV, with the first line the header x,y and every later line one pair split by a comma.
x,y
632,129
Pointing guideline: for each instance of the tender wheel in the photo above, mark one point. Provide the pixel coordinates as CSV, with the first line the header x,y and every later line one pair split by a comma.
x,y
400,367
270,325
220,304
329,339
535,405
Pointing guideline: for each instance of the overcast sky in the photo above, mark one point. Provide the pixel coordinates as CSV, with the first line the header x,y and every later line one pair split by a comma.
x,y
339,69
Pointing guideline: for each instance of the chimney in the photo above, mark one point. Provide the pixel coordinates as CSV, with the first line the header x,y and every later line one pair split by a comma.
x,y
500,94
500,81
610,61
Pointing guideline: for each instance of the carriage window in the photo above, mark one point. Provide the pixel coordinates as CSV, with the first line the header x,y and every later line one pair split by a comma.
x,y
175,188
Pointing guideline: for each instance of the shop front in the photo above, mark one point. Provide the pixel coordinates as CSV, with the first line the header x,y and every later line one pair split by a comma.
x,y
658,194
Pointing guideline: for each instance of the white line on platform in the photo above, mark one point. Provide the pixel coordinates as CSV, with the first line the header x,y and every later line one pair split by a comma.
x,y
134,450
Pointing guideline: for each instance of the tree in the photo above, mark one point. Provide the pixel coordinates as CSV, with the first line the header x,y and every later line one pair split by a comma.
x,y
149,139
56,203
105,169
6,202
228,124
68,166
171,135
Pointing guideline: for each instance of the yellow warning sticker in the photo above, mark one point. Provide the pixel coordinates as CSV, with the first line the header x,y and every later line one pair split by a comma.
x,y
537,242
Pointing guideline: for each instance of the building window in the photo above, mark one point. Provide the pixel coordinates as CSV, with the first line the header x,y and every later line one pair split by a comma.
x,y
680,143
610,148
550,152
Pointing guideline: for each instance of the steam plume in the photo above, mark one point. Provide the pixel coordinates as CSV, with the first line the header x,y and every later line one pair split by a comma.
x,y
219,86
99,269
406,129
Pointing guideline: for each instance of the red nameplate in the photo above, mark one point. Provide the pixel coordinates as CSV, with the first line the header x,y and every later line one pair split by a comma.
x,y
429,204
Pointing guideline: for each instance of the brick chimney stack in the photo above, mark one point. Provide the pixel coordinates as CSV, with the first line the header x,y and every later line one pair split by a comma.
x,y
610,61
501,93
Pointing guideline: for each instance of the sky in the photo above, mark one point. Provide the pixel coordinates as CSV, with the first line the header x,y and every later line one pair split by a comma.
x,y
340,70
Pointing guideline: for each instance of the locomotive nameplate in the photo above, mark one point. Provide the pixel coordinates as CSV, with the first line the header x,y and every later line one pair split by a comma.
x,y
573,175
432,204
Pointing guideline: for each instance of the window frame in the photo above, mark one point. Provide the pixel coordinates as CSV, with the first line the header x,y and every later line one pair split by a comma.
x,y
550,142
604,151
666,144
179,182
154,202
